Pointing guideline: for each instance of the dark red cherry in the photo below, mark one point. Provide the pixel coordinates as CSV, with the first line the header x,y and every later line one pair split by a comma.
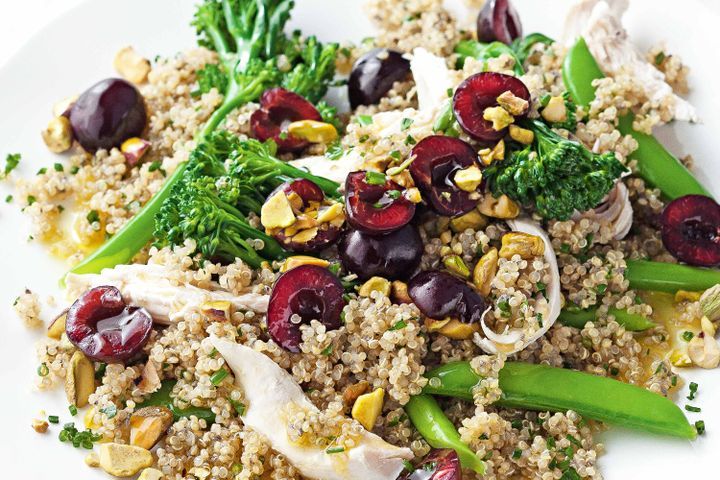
x,y
374,74
691,230
440,295
437,159
393,255
478,92
310,292
107,114
278,109
376,204
498,20
104,328
439,464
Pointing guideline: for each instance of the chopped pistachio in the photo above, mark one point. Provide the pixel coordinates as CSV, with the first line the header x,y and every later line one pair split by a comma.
x,y
485,271
92,460
457,330
218,310
413,195
468,179
124,460
313,131
521,135
455,264
710,302
40,426
399,292
501,207
555,110
375,284
148,424
367,408
499,117
58,135
133,150
57,326
512,104
79,379
473,220
297,260
151,474
524,244
131,65
305,235
277,212
326,214
352,392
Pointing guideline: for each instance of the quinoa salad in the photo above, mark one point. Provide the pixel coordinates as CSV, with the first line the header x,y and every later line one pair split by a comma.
x,y
465,263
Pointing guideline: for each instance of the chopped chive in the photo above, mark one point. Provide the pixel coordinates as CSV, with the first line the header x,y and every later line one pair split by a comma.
x,y
42,171
375,178
74,169
690,408
327,350
11,162
601,288
693,391
239,407
335,449
574,440
550,443
334,151
365,120
31,199
53,419
700,427
110,411
399,325
673,380
394,194
405,124
659,58
449,92
687,335
59,167
73,410
219,376
408,466
517,453
93,216
8,199
410,140
396,154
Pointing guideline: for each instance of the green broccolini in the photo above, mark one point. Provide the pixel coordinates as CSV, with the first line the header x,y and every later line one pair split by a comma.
x,y
225,180
556,175
254,55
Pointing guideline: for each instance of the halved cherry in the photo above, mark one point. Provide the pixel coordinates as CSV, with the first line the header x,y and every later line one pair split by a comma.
x,y
691,230
375,204
278,109
479,92
441,295
439,464
437,159
498,20
104,328
307,193
305,293
394,255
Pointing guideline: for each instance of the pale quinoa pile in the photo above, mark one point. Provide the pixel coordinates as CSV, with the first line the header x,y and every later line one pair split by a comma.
x,y
367,350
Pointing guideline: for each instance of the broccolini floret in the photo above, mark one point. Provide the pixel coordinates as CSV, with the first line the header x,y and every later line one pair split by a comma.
x,y
555,175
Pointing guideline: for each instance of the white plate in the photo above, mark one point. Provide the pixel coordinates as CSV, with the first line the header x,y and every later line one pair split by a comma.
x,y
76,50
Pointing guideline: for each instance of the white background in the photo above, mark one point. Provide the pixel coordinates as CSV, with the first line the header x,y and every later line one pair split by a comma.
x,y
80,49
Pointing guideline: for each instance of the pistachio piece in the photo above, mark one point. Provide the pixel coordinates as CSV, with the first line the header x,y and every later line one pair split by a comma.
x,y
58,135
501,207
704,351
473,220
57,326
313,131
79,379
131,65
512,104
277,212
375,284
521,135
133,149
326,214
499,117
124,460
62,107
680,358
352,392
710,302
297,260
413,195
150,378
367,408
40,426
399,292
456,265
555,110
458,330
217,310
92,460
433,325
305,235
148,424
468,179
485,270
151,474
523,244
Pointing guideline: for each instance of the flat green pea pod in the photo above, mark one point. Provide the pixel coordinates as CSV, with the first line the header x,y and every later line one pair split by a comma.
x,y
669,277
575,317
655,164
540,387
429,419
162,398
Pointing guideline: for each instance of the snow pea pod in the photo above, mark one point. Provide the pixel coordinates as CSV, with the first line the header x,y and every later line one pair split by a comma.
x,y
429,419
656,165
574,317
540,387
669,277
